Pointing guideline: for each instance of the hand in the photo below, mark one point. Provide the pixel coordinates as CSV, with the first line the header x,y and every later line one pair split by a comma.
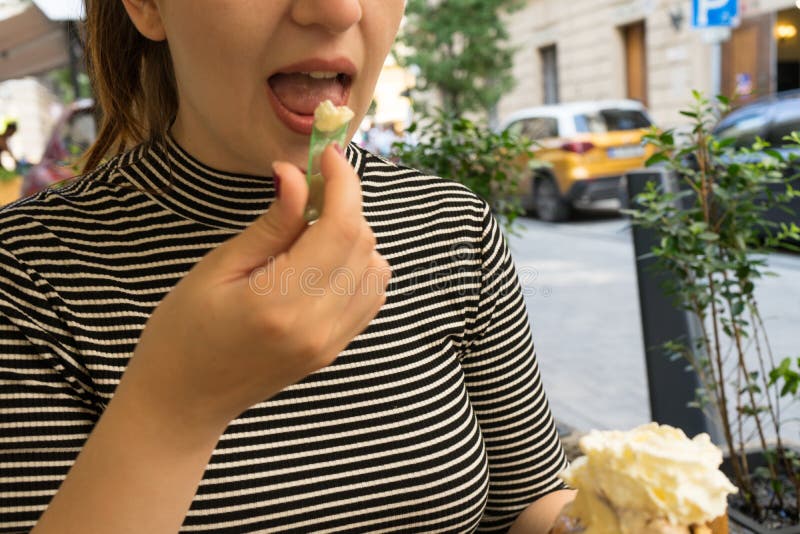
x,y
266,308
565,525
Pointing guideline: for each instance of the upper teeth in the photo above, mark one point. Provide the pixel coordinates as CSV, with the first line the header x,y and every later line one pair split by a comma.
x,y
320,75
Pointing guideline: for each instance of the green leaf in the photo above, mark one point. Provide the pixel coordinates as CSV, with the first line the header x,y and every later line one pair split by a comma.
x,y
658,157
774,153
709,236
698,227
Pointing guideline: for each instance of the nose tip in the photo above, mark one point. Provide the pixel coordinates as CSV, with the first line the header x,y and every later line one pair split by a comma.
x,y
335,15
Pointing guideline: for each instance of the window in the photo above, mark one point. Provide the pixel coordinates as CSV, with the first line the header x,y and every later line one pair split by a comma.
x,y
515,128
549,58
540,127
535,128
787,120
743,127
611,120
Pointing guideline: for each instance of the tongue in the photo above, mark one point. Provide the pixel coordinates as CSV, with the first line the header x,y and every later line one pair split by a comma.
x,y
302,94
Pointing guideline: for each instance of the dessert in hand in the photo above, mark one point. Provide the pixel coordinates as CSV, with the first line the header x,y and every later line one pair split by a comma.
x,y
652,479
330,125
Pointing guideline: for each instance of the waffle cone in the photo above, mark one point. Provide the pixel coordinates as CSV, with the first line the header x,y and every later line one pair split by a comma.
x,y
718,526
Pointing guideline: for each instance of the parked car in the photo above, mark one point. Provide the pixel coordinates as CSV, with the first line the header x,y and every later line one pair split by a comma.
x,y
73,133
770,118
587,146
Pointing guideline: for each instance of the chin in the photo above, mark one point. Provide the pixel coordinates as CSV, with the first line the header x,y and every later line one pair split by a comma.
x,y
297,156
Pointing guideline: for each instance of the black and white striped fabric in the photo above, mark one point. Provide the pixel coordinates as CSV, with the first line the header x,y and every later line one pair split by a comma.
x,y
432,420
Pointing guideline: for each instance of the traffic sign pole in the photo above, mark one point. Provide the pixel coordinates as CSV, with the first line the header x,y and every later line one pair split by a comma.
x,y
715,18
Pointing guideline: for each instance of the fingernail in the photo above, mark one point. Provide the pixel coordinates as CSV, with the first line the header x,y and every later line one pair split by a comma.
x,y
276,181
338,148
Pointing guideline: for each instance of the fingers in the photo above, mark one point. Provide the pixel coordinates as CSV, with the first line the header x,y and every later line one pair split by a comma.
x,y
332,271
344,299
272,233
342,186
341,230
364,305
293,188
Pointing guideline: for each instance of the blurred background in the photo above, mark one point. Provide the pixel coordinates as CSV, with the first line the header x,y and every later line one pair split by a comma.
x,y
583,79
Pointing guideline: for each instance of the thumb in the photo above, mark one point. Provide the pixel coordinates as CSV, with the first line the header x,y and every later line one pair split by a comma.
x,y
275,231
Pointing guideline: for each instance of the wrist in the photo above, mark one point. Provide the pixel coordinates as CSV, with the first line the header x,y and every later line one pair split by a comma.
x,y
145,455
160,410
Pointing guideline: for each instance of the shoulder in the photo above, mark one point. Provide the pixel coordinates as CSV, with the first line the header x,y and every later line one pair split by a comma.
x,y
391,186
77,203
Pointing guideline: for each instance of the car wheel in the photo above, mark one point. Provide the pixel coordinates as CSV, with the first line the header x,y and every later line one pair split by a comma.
x,y
550,205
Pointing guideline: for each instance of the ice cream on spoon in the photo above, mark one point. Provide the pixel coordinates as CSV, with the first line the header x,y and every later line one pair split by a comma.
x,y
330,126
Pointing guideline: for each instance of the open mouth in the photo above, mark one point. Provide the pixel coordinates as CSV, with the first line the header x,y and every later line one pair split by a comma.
x,y
295,95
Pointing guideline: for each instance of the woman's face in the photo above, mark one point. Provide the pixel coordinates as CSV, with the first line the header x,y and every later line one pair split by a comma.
x,y
251,72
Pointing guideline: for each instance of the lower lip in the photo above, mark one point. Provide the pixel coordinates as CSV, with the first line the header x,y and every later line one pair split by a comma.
x,y
302,124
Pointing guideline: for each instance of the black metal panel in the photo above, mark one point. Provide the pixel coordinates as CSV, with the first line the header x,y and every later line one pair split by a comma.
x,y
671,385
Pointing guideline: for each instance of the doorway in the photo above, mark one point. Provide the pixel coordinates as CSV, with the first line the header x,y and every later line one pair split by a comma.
x,y
787,28
747,60
634,37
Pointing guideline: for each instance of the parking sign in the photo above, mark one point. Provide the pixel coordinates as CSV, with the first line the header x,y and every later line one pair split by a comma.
x,y
714,13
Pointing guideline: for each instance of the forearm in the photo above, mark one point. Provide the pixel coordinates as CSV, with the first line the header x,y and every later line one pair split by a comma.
x,y
539,517
138,472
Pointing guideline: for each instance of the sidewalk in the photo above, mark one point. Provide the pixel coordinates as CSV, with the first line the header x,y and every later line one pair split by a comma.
x,y
580,285
579,281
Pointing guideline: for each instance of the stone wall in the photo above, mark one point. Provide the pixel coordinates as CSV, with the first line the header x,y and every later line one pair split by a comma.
x,y
591,51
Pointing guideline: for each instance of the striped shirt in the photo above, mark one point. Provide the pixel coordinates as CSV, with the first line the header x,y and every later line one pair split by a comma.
x,y
432,420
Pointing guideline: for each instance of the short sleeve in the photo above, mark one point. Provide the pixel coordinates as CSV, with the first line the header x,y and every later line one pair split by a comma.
x,y
505,389
46,408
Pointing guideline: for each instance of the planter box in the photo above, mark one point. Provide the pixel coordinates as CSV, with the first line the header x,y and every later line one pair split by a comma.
x,y
739,518
755,459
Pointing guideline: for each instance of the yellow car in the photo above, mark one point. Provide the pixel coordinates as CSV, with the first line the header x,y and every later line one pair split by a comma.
x,y
587,146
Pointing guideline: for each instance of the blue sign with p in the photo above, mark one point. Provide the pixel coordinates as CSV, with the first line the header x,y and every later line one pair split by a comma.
x,y
714,13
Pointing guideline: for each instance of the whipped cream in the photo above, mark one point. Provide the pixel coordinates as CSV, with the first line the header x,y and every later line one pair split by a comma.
x,y
329,118
650,479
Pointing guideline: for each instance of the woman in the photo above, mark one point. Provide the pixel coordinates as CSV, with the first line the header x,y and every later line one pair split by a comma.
x,y
370,372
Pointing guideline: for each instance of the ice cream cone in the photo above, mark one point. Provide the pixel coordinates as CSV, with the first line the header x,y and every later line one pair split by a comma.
x,y
718,526
651,479
568,525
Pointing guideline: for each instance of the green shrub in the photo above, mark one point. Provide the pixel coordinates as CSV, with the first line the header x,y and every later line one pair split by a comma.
x,y
488,163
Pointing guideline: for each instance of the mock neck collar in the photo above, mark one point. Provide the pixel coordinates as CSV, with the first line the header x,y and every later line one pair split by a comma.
x,y
189,188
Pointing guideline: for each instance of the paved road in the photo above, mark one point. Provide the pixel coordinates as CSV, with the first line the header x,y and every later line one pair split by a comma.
x,y
580,284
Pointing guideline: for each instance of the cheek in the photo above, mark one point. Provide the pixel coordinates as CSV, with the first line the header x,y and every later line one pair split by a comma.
x,y
379,35
208,55
205,58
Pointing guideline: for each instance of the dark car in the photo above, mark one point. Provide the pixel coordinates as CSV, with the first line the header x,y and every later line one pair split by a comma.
x,y
73,133
770,118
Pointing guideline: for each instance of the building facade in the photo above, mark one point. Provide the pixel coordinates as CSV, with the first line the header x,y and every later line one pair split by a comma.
x,y
647,50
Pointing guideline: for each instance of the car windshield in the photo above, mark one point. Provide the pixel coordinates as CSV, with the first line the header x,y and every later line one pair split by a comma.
x,y
611,120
